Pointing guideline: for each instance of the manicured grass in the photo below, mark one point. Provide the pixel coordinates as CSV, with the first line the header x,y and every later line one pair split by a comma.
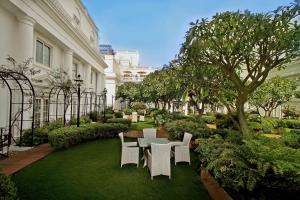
x,y
92,171
148,123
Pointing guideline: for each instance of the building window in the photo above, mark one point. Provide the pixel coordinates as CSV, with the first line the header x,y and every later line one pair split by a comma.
x,y
45,110
75,71
37,113
42,54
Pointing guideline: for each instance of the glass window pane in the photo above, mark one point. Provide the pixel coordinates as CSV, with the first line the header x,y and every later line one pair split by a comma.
x,y
46,55
39,52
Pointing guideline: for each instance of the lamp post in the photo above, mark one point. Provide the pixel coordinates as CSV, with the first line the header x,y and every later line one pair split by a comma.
x,y
104,101
78,84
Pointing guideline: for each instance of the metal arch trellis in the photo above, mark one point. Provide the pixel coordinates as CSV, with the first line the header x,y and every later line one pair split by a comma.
x,y
17,84
57,92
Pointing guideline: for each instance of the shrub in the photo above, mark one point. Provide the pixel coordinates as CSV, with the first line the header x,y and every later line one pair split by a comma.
x,y
257,165
141,112
295,131
72,135
294,124
291,139
209,119
82,120
109,110
118,114
119,120
127,111
291,113
138,105
8,190
55,124
93,116
178,127
40,136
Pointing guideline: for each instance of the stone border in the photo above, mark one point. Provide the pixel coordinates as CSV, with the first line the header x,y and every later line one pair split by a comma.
x,y
215,191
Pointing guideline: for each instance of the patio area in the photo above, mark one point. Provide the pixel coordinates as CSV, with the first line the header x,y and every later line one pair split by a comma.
x,y
92,171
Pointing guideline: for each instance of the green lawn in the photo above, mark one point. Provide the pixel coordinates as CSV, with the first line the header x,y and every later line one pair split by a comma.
x,y
92,171
148,123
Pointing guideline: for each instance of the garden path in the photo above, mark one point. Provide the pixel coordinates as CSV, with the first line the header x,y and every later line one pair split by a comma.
x,y
21,159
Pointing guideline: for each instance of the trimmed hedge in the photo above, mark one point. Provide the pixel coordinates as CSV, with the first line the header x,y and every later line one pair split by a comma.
x,y
118,114
72,135
40,136
8,190
209,119
178,127
294,124
82,120
119,120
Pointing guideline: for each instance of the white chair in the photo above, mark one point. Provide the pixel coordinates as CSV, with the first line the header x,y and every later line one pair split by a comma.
x,y
125,116
142,118
134,117
130,152
149,133
182,149
159,160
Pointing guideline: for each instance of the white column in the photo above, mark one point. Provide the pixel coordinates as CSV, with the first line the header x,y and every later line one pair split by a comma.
x,y
88,70
26,42
68,62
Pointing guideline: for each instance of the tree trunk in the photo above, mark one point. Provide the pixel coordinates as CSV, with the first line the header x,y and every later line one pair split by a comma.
x,y
241,117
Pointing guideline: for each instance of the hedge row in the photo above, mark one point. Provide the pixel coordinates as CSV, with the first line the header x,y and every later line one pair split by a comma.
x,y
119,120
72,135
8,190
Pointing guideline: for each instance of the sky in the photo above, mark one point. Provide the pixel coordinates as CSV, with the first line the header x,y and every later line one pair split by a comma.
x,y
156,28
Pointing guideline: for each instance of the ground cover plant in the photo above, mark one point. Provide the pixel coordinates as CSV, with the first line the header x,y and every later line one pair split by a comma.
x,y
254,168
92,171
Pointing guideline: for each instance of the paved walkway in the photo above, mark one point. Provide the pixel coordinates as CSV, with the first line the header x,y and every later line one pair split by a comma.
x,y
20,159
161,133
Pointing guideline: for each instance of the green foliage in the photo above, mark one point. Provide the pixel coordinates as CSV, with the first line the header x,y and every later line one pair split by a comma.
x,y
130,91
209,119
109,110
93,116
127,111
273,93
118,114
119,120
253,42
291,113
40,136
72,135
255,165
138,105
55,124
8,190
141,112
177,128
294,124
291,139
82,120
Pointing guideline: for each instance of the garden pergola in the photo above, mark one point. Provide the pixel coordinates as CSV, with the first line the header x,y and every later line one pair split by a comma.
x,y
21,100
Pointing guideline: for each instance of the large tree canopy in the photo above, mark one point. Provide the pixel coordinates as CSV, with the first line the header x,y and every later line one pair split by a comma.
x,y
273,93
245,46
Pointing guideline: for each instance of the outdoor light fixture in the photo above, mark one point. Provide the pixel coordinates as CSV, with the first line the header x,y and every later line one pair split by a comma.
x,y
104,101
78,82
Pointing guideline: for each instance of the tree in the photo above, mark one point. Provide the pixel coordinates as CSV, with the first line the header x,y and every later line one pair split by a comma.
x,y
130,91
161,86
273,93
246,46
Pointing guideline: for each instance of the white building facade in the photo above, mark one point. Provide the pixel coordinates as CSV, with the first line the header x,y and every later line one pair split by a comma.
x,y
56,35
123,66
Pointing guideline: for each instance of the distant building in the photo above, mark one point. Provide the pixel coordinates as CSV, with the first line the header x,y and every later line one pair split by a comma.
x,y
123,66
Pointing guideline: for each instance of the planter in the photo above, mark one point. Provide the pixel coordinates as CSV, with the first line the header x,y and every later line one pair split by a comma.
x,y
214,189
